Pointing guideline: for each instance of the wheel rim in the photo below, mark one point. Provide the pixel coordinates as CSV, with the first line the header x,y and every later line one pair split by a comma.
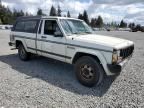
x,y
22,53
87,72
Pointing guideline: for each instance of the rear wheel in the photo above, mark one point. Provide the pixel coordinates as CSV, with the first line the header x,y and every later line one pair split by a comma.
x,y
88,71
23,55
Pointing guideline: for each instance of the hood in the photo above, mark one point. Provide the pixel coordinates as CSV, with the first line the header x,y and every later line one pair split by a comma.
x,y
103,40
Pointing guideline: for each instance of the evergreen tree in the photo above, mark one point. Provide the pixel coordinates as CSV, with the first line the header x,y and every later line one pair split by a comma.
x,y
93,22
20,13
80,16
99,22
53,11
123,24
59,11
68,14
9,16
39,12
2,13
5,15
85,17
14,13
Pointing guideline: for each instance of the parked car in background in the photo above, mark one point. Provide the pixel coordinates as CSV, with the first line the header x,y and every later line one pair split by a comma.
x,y
95,29
6,27
108,29
138,28
2,27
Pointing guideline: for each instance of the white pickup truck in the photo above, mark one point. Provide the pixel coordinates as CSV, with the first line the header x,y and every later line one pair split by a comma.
x,y
72,41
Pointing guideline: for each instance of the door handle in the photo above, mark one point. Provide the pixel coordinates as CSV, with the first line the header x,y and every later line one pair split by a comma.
x,y
43,37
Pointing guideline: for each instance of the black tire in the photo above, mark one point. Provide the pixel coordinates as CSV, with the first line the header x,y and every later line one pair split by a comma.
x,y
88,71
23,55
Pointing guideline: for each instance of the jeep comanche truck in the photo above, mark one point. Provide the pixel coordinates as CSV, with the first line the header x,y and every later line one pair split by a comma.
x,y
72,41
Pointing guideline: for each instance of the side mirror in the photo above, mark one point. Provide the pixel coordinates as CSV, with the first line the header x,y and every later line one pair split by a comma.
x,y
58,34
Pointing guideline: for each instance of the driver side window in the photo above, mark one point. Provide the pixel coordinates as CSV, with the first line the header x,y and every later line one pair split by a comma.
x,y
51,27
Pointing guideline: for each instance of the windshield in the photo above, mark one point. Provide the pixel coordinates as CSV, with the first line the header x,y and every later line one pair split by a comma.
x,y
75,27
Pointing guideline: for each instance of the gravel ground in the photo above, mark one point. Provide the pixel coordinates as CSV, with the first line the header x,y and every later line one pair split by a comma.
x,y
45,83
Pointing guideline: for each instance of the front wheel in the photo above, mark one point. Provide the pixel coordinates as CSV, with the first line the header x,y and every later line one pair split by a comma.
x,y
23,55
88,71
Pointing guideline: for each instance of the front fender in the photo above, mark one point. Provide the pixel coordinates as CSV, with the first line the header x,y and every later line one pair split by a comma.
x,y
99,55
23,42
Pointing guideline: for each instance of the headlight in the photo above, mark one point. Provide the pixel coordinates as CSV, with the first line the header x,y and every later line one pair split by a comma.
x,y
116,57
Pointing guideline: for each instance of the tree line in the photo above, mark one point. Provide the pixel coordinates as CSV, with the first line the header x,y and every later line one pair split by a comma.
x,y
53,12
8,17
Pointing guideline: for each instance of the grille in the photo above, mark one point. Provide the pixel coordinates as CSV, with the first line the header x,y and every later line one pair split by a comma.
x,y
124,53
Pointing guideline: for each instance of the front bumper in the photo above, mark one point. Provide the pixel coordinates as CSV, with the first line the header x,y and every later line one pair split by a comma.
x,y
11,44
117,68
114,68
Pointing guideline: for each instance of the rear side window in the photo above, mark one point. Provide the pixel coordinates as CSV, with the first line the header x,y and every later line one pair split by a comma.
x,y
19,26
29,26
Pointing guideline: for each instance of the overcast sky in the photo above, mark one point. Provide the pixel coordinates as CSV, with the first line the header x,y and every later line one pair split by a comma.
x,y
110,10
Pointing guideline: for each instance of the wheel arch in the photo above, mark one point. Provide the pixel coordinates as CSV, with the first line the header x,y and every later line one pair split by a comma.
x,y
20,41
81,54
97,56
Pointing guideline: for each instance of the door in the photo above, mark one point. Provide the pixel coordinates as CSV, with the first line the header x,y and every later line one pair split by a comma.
x,y
38,38
51,45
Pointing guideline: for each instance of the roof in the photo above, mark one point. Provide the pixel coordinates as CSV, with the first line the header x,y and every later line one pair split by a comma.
x,y
44,17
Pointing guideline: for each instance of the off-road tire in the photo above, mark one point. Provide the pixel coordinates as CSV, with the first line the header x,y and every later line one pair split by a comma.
x,y
23,54
85,65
